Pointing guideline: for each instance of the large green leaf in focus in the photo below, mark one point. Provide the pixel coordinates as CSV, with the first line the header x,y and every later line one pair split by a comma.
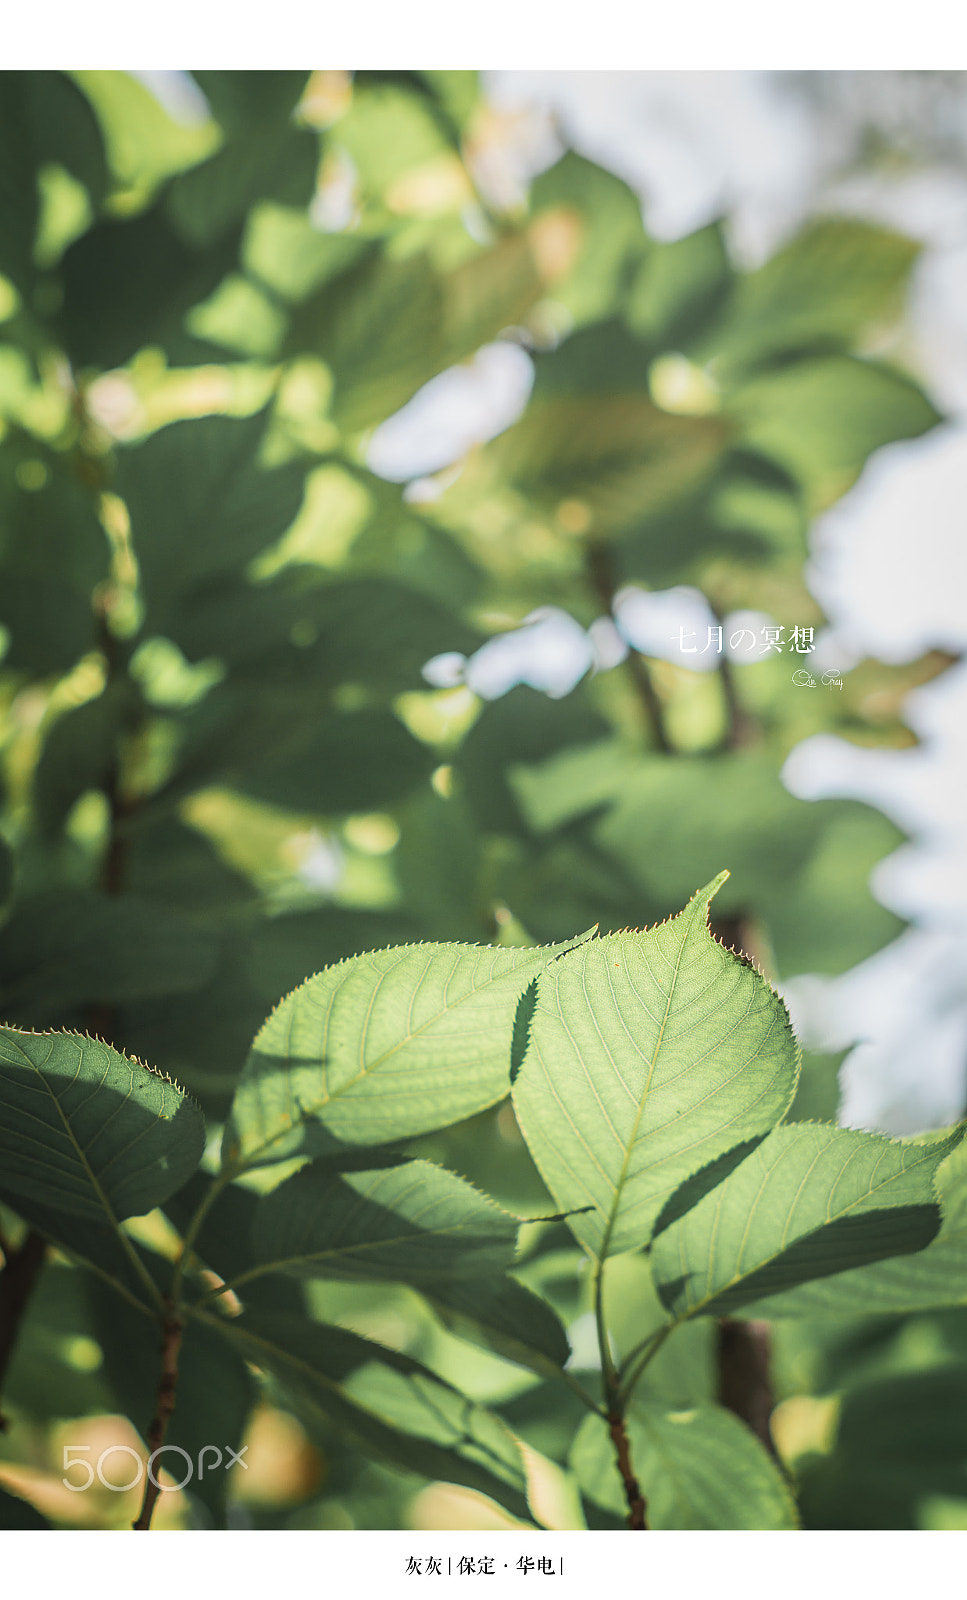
x,y
200,504
810,1201
699,1468
416,1223
932,1278
386,1403
384,1046
650,1055
85,1130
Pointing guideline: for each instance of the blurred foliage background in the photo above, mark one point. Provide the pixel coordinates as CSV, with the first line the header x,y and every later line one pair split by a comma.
x,y
226,762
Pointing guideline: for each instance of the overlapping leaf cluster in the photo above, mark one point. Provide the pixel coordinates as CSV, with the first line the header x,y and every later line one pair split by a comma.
x,y
223,770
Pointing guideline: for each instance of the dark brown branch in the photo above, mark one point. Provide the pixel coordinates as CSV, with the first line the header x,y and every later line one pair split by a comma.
x,y
164,1406
636,1501
17,1282
602,579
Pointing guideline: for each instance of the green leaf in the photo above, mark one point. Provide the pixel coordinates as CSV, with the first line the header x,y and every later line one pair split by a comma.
x,y
79,754
679,287
809,1202
932,1278
262,162
415,1224
384,1046
65,948
350,761
833,282
43,118
822,417
656,820
611,238
651,1054
378,327
387,1404
87,1131
200,504
503,1315
18,1513
617,454
50,625
699,1468
129,281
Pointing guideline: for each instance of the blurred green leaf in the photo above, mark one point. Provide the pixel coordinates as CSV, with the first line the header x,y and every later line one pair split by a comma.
x,y
200,505
65,948
679,288
837,280
822,417
610,240
43,118
128,282
79,753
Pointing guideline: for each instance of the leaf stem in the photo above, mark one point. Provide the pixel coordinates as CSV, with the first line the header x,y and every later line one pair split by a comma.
x,y
172,1329
648,1349
609,1372
218,1183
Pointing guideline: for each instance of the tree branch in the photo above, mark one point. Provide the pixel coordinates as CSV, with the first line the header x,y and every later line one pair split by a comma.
x,y
637,1511
601,576
173,1328
745,1386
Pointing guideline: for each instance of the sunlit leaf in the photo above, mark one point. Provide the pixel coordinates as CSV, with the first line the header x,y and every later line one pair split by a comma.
x,y
697,1468
387,1403
383,1046
810,1201
651,1054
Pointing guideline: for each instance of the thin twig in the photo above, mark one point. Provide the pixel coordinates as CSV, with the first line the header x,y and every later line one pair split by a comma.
x,y
173,1328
